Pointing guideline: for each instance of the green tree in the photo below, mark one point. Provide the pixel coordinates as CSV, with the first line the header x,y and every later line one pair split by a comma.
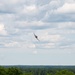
x,y
2,71
49,74
64,72
14,71
28,73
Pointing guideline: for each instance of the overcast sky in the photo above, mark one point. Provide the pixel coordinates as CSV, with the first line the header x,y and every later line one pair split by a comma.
x,y
53,21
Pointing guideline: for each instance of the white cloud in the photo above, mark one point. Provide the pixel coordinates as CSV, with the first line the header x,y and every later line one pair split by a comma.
x,y
35,52
31,46
67,25
12,44
19,44
51,38
2,29
66,8
69,1
28,10
27,45
14,1
49,45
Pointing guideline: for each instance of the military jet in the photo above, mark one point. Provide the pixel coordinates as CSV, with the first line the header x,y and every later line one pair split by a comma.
x,y
36,37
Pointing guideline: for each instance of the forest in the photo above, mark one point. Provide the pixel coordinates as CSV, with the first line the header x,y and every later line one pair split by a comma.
x,y
37,70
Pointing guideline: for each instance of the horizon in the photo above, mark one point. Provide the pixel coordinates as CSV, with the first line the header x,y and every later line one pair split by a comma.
x,y
40,65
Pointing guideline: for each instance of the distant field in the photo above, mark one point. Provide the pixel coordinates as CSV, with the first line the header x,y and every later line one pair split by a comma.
x,y
39,66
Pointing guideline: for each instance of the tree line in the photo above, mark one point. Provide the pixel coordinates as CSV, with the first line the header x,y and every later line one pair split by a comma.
x,y
35,71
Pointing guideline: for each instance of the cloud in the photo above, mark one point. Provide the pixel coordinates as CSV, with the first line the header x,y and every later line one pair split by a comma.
x,y
53,21
12,44
49,45
66,8
30,9
35,52
69,1
2,30
51,38
34,25
67,25
63,13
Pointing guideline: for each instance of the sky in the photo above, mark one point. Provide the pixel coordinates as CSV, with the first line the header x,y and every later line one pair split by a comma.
x,y
53,21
